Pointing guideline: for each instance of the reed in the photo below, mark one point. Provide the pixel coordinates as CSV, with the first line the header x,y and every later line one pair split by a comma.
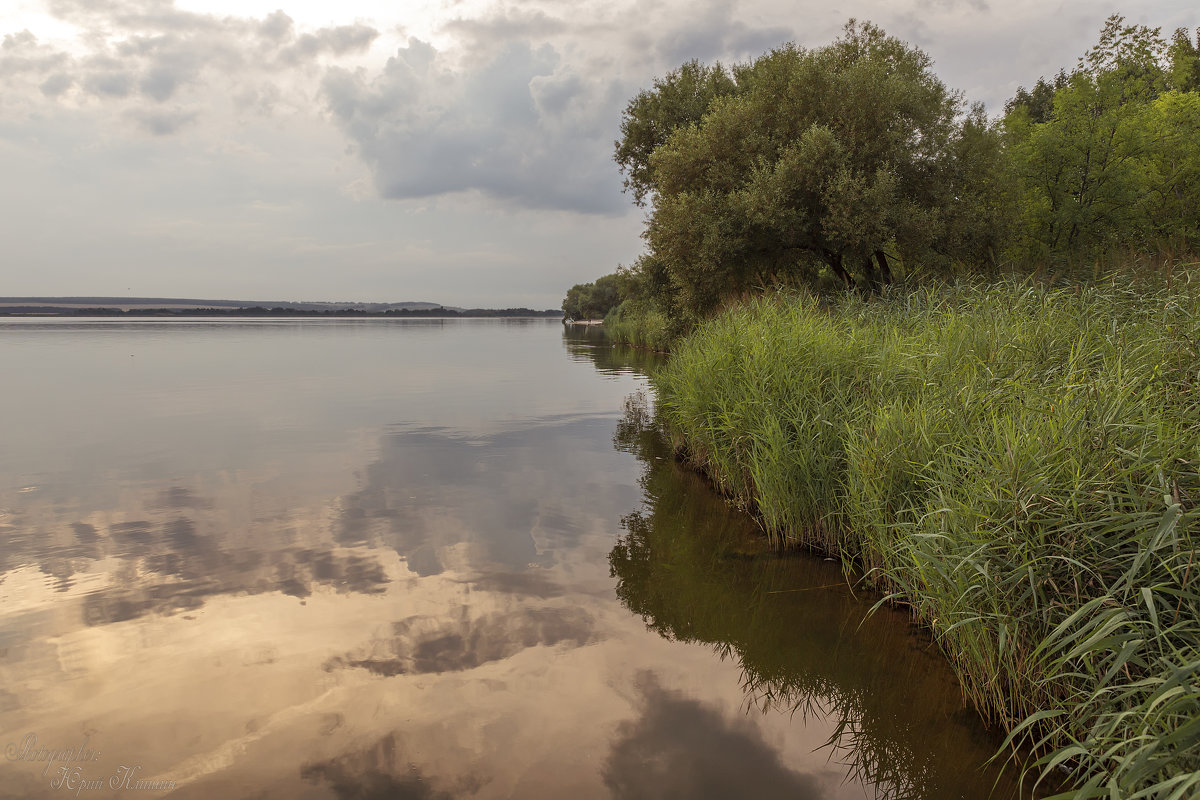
x,y
640,325
1019,463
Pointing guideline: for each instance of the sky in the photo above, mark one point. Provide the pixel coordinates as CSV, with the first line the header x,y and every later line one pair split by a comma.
x,y
452,151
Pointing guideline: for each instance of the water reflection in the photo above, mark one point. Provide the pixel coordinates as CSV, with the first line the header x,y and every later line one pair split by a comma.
x,y
680,747
500,500
590,344
400,582
377,773
695,571
436,644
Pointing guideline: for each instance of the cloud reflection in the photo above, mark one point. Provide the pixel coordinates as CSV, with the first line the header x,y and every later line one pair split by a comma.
x,y
423,645
682,748
499,495
377,773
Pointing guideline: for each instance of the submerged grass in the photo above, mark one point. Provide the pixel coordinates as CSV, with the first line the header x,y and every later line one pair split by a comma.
x,y
1018,463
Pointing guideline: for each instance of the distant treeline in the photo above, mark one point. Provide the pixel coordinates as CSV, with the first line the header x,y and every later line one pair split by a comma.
x,y
278,311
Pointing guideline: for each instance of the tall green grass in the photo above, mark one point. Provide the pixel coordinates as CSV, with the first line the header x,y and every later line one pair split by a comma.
x,y
640,325
1018,463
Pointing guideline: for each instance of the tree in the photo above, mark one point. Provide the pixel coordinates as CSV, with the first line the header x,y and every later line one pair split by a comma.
x,y
1039,103
1169,188
840,158
1114,165
1184,57
592,300
679,99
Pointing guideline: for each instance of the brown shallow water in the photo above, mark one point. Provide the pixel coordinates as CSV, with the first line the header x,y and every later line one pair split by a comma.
x,y
416,559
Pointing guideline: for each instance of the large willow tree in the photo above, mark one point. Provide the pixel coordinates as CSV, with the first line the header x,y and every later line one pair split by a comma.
x,y
806,165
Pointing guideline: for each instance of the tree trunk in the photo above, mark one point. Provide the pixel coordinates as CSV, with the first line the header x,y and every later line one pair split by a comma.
x,y
885,271
835,263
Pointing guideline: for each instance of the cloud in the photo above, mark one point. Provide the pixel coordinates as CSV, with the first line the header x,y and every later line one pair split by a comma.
x,y
506,25
525,110
140,54
276,27
109,83
162,123
975,5
21,53
338,41
521,107
715,32
521,127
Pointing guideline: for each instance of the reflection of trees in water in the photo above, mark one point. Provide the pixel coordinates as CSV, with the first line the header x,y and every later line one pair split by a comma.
x,y
590,343
696,571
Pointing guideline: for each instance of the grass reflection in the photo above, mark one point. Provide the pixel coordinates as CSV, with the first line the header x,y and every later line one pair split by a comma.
x,y
698,571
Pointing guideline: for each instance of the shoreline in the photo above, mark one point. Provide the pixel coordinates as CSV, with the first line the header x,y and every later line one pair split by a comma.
x,y
844,437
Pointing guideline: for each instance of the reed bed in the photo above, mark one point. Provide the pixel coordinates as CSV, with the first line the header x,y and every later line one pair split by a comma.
x,y
640,326
1018,463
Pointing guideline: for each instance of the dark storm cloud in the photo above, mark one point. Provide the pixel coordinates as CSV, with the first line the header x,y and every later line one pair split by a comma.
x,y
680,747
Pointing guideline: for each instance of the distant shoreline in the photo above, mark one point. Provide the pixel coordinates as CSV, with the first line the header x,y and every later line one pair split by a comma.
x,y
277,312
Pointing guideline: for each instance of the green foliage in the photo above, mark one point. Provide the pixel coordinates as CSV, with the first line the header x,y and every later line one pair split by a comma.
x,y
1038,104
809,165
1020,464
592,300
641,325
1184,62
1110,167
678,100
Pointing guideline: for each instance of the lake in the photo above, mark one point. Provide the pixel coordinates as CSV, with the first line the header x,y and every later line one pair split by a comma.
x,y
417,559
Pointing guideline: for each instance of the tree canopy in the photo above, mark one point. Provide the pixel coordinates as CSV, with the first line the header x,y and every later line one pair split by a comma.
x,y
591,300
852,165
835,160
1114,161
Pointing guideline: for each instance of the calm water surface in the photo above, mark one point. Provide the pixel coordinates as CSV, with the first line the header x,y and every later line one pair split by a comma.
x,y
416,559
